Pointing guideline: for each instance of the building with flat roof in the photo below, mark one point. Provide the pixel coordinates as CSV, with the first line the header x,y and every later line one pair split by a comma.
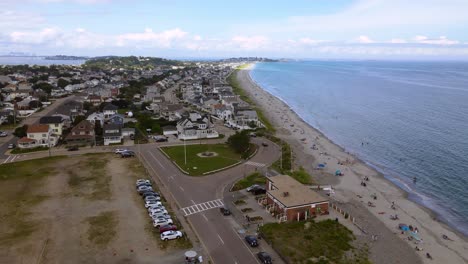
x,y
290,200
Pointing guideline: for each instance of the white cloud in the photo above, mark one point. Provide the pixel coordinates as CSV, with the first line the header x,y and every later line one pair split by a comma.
x,y
398,41
309,41
250,42
150,38
442,40
364,39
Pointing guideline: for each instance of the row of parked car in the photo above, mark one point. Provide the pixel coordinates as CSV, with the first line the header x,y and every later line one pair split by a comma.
x,y
156,211
125,153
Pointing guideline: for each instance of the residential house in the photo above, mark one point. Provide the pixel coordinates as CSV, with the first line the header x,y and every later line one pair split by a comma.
x,y
289,200
112,134
38,135
169,130
171,112
96,117
116,119
109,110
55,123
81,134
245,119
128,131
191,128
94,99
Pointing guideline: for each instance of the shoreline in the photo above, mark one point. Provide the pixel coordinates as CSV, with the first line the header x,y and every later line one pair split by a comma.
x,y
348,188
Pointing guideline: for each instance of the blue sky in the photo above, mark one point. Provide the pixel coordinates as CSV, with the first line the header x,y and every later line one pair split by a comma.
x,y
367,29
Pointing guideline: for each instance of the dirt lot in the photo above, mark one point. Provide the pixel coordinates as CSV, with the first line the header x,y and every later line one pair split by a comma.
x,y
80,209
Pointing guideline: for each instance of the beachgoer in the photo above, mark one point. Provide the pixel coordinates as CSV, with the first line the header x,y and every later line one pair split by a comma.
x,y
428,255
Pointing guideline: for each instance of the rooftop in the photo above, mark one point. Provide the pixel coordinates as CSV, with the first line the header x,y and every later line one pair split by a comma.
x,y
38,129
292,193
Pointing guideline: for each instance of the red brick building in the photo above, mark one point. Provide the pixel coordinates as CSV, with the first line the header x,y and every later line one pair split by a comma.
x,y
289,200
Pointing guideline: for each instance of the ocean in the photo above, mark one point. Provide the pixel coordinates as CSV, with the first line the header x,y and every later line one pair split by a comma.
x,y
406,119
17,60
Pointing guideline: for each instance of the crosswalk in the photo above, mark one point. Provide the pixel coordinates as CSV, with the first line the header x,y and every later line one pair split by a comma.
x,y
255,164
197,208
11,158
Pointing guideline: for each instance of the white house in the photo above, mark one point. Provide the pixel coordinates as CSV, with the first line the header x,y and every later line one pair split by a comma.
x,y
197,129
112,134
38,136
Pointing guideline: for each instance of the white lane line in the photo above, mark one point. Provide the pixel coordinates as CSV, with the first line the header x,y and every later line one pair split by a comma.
x,y
14,157
204,216
182,189
193,202
204,206
220,239
212,204
245,244
160,164
219,203
8,159
199,206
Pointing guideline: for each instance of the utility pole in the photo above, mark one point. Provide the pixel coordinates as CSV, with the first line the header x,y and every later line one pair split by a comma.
x,y
281,158
48,140
185,152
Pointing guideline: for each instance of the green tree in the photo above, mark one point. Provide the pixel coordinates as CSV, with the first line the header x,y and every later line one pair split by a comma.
x,y
62,83
46,87
78,119
21,131
239,142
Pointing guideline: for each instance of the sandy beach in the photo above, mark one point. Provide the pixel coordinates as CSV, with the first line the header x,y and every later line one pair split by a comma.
x,y
311,148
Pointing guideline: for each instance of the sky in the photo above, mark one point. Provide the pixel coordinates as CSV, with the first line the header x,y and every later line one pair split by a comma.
x,y
329,29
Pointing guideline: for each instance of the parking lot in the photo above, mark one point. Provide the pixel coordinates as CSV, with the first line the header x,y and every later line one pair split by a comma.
x,y
79,209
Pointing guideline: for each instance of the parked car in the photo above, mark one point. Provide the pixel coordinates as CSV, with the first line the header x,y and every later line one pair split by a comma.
x,y
73,148
11,146
150,203
171,235
161,216
142,181
119,151
152,198
165,228
155,206
264,257
127,154
162,222
259,190
158,210
225,210
143,184
149,193
252,187
3,134
144,188
264,144
252,241
160,138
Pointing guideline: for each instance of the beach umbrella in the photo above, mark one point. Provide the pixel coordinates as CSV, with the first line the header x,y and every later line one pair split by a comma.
x,y
321,165
337,172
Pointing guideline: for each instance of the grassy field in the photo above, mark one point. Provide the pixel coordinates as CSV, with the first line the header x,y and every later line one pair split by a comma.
x,y
313,242
101,228
254,178
197,165
19,183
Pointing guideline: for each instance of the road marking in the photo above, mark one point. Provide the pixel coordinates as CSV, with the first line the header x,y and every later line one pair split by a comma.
x,y
193,202
204,216
182,188
220,239
255,164
197,208
245,245
160,164
5,161
14,157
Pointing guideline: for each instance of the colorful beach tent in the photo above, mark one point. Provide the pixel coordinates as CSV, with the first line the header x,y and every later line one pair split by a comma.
x,y
403,227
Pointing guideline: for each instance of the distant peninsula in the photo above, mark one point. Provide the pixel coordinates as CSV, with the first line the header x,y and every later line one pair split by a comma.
x,y
65,57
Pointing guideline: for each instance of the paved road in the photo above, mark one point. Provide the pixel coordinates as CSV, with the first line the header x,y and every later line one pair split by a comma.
x,y
33,119
215,231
